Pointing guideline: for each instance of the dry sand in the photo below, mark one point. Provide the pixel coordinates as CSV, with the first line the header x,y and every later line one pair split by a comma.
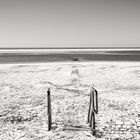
x,y
23,108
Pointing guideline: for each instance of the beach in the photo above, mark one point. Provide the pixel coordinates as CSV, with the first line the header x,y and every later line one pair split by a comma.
x,y
23,100
70,70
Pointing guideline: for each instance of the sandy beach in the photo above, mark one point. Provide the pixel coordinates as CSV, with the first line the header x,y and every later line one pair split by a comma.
x,y
23,96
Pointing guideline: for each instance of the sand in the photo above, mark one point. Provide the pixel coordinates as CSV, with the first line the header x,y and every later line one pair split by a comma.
x,y
23,100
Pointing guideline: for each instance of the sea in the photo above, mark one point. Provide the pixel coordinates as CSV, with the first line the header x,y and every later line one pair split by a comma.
x,y
37,55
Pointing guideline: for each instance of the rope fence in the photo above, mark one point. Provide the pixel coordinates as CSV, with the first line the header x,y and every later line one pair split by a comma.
x,y
92,111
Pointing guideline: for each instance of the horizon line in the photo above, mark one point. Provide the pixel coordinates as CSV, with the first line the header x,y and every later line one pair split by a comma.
x,y
6,48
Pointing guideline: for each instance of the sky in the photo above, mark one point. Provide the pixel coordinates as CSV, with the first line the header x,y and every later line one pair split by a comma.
x,y
69,23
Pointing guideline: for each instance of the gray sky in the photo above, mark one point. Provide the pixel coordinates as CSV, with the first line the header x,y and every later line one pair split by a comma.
x,y
76,23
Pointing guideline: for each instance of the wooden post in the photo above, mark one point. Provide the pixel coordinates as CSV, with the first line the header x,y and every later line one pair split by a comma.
x,y
49,109
89,110
96,101
93,109
93,122
93,113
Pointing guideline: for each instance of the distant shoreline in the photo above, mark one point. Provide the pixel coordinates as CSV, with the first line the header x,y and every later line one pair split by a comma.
x,y
21,51
69,56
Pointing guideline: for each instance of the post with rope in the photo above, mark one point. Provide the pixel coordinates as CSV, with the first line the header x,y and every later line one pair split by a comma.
x,y
93,109
49,109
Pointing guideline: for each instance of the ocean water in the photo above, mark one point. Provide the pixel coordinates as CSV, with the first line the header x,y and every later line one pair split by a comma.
x,y
62,55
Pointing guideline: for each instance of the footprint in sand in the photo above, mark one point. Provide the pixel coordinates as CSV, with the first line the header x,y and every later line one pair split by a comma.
x,y
75,76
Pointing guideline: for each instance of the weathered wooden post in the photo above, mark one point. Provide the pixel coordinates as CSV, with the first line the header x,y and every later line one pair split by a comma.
x,y
96,101
93,109
49,109
93,113
89,110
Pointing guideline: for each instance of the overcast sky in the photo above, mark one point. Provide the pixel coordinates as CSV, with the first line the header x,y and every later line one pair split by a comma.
x,y
76,23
